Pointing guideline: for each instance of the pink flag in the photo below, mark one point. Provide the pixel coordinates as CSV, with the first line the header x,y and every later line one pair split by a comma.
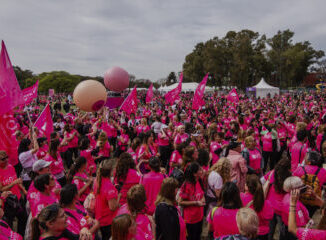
x,y
173,95
30,93
44,122
130,104
149,94
10,92
8,141
233,96
198,100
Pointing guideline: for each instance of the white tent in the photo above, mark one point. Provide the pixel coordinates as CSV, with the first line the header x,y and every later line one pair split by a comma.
x,y
186,87
263,89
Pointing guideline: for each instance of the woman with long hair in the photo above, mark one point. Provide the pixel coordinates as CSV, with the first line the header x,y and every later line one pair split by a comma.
x,y
123,227
169,222
192,200
254,198
107,199
76,214
190,154
52,223
83,180
86,152
222,219
71,135
146,151
126,176
136,200
253,156
54,157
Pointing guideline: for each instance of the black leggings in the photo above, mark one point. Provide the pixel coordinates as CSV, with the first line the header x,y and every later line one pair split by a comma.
x,y
106,232
194,230
165,154
69,155
271,158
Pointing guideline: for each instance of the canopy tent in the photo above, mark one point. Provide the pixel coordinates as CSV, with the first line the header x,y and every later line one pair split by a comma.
x,y
186,87
262,89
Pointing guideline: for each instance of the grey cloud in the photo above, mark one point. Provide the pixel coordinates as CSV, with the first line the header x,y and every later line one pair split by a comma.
x,y
149,38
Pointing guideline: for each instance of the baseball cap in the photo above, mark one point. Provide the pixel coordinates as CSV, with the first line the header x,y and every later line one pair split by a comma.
x,y
40,164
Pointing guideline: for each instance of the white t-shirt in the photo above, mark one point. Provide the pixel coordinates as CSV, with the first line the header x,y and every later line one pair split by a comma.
x,y
27,159
215,182
156,126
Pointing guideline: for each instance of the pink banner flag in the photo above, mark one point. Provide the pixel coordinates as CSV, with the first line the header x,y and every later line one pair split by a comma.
x,y
149,95
130,104
44,122
198,100
10,92
30,93
8,141
173,95
233,96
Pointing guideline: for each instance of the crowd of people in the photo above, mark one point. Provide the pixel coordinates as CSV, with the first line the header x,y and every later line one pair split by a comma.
x,y
251,169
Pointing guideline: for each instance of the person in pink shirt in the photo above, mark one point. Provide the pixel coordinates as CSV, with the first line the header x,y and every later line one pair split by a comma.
x,y
44,195
43,148
78,176
253,156
143,127
71,135
168,220
123,141
300,232
254,198
107,199
176,158
239,168
77,218
298,150
192,200
86,152
164,145
6,232
181,136
54,157
302,214
123,227
51,223
152,182
222,219
126,176
136,199
103,148
216,146
145,151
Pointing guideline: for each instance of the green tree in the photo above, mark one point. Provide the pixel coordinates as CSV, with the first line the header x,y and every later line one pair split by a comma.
x,y
171,79
22,76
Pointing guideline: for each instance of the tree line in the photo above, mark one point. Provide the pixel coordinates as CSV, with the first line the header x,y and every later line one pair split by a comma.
x,y
242,58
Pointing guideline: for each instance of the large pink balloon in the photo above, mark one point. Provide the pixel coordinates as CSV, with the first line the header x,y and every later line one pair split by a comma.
x,y
90,95
116,79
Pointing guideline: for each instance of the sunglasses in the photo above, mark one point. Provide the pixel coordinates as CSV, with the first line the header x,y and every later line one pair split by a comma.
x,y
4,158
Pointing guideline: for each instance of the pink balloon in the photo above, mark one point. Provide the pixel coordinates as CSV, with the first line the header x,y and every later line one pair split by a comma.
x,y
116,79
90,95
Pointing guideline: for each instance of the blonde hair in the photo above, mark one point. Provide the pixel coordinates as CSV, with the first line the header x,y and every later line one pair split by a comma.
x,y
103,137
104,171
179,128
301,126
222,167
291,183
248,139
248,222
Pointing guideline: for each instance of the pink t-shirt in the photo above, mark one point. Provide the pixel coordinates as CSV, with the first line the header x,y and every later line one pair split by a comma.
x,y
74,142
105,150
163,141
175,157
41,153
102,211
191,192
80,180
267,142
310,234
265,215
302,214
123,141
7,233
76,220
180,138
144,228
133,178
90,160
142,128
298,153
255,158
7,176
56,166
275,198
32,190
213,147
38,201
152,182
224,221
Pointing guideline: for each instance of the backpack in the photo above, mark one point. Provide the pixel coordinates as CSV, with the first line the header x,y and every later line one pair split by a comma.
x,y
312,181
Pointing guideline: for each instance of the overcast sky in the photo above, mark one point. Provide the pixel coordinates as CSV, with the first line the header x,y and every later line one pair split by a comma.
x,y
148,38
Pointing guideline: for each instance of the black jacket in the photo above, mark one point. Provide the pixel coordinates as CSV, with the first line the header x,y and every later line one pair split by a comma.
x,y
167,222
